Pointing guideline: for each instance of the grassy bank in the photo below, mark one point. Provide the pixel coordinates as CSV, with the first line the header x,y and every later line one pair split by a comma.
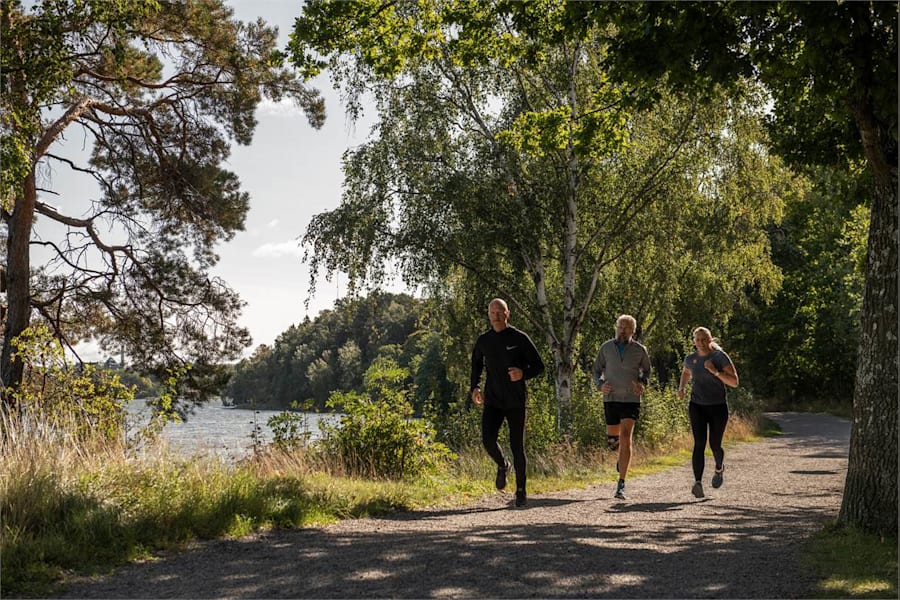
x,y
82,508
79,508
852,564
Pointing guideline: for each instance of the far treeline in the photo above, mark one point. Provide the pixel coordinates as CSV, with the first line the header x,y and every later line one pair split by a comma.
x,y
332,352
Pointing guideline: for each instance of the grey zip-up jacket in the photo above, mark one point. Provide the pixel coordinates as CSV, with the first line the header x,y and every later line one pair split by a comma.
x,y
621,371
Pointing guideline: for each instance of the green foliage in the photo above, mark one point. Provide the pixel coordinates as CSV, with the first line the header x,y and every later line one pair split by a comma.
x,y
290,430
377,435
82,402
826,65
541,419
588,420
664,416
433,389
802,346
459,427
144,386
840,65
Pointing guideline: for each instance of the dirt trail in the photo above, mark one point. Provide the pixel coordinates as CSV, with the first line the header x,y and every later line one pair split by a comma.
x,y
740,541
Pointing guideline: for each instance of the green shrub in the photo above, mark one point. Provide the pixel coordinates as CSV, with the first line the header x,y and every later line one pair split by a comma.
x,y
459,427
290,430
377,435
81,402
742,402
664,416
541,430
588,420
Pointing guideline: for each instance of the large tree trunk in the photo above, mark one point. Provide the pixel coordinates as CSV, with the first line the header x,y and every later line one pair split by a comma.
x,y
18,295
870,492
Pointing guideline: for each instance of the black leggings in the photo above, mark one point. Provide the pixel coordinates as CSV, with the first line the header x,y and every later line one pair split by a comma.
x,y
715,417
491,420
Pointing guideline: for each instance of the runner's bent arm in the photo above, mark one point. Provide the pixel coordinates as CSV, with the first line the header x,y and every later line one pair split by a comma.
x,y
599,366
535,364
685,377
477,367
645,368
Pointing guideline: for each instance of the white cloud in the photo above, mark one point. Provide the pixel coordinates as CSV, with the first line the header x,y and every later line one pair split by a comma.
x,y
284,108
289,248
272,224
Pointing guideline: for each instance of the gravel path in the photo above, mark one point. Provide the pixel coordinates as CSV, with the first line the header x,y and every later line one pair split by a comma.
x,y
740,541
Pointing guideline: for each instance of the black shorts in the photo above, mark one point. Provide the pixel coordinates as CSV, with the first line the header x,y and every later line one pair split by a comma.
x,y
616,411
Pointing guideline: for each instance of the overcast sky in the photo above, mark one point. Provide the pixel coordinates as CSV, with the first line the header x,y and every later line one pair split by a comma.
x,y
291,172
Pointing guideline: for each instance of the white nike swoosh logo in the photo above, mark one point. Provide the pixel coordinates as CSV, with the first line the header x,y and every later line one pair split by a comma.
x,y
511,347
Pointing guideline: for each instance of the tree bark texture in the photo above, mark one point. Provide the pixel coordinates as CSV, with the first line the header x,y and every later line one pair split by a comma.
x,y
870,492
565,371
18,275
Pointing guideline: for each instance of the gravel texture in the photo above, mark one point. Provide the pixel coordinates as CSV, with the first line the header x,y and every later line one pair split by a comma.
x,y
741,541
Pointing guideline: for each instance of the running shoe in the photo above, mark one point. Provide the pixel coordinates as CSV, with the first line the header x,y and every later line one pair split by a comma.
x,y
697,490
620,490
521,499
501,475
718,477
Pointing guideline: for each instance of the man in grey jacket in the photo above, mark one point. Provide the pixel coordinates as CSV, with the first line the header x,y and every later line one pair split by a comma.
x,y
621,371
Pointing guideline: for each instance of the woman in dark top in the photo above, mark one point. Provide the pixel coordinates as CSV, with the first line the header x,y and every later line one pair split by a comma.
x,y
711,370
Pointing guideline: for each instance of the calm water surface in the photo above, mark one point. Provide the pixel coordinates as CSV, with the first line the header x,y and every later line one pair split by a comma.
x,y
216,429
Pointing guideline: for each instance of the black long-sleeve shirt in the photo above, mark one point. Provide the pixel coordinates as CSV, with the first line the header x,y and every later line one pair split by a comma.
x,y
498,351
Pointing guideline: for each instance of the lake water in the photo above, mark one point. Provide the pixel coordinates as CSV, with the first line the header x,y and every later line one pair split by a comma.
x,y
222,430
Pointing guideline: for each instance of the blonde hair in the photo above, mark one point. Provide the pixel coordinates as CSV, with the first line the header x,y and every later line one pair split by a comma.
x,y
713,342
628,318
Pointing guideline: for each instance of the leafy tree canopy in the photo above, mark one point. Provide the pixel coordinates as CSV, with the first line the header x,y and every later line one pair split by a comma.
x,y
831,69
531,172
156,91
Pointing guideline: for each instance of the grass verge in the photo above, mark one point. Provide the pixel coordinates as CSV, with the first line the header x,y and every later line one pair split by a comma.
x,y
852,564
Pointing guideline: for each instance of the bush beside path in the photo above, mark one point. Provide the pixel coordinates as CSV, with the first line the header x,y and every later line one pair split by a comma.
x,y
741,541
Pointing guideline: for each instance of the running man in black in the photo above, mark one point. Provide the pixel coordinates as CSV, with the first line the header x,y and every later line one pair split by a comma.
x,y
510,358
711,370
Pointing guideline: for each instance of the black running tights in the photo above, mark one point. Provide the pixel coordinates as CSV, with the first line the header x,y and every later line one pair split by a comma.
x,y
714,418
491,420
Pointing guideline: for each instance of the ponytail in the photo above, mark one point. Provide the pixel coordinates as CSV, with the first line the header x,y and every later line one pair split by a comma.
x,y
713,343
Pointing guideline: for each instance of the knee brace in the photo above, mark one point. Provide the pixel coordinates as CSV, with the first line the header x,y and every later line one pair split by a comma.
x,y
613,442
